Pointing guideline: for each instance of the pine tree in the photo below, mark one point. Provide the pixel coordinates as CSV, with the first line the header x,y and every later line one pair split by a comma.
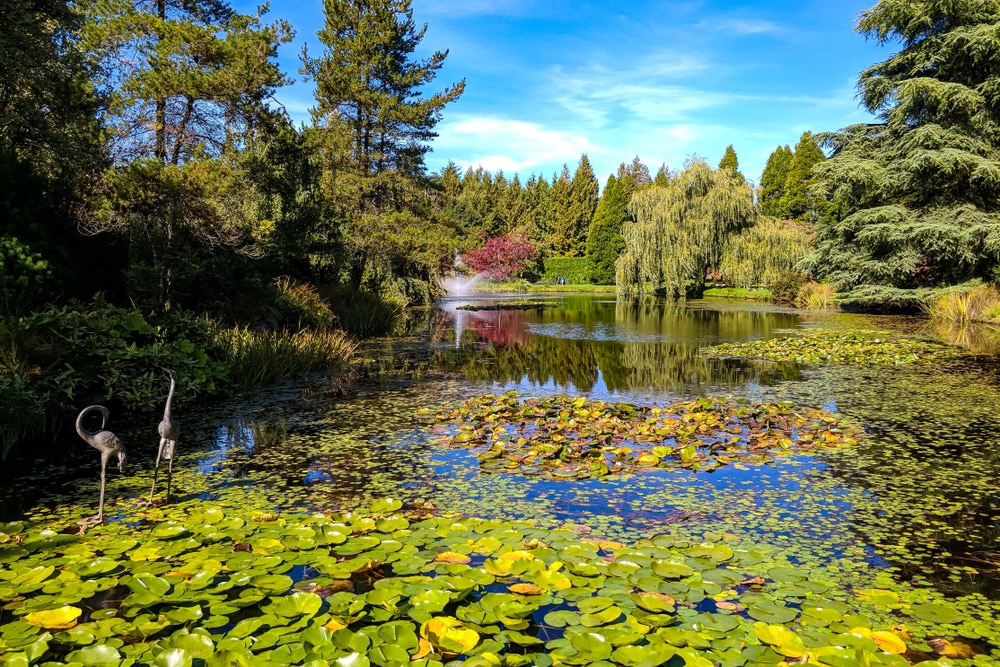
x,y
920,190
563,219
604,241
772,182
632,176
372,108
662,176
799,200
185,81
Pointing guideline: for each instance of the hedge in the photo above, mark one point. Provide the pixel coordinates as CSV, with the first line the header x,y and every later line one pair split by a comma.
x,y
575,270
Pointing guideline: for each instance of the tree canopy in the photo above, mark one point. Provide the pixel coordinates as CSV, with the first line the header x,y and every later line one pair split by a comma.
x,y
920,189
604,241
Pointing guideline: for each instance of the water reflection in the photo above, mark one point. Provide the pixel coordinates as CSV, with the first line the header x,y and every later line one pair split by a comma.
x,y
599,346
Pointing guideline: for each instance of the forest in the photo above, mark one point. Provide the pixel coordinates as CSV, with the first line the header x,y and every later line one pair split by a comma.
x,y
147,171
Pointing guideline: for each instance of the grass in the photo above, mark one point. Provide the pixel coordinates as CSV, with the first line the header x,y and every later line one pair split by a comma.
x,y
738,293
976,303
258,359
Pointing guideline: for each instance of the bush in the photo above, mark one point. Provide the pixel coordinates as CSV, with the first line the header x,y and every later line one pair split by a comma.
x,y
785,288
816,296
576,270
362,313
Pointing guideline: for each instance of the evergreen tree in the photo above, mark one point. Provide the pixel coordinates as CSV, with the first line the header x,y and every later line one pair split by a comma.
x,y
799,200
731,162
185,81
584,196
662,176
562,218
772,182
372,107
633,176
920,190
604,241
681,230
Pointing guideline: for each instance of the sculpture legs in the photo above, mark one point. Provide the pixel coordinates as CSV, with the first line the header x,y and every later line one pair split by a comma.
x,y
166,451
104,473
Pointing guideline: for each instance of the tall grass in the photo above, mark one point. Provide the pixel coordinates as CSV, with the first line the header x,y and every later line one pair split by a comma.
x,y
302,305
816,296
257,359
977,303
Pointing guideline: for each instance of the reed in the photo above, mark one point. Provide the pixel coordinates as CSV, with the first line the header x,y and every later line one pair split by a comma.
x,y
260,358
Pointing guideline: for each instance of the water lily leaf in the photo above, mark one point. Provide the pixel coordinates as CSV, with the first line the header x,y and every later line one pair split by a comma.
x,y
449,636
669,569
229,659
54,619
452,557
97,654
386,505
168,530
771,612
526,589
717,553
889,642
650,655
352,660
781,639
173,657
594,604
278,583
591,646
936,613
155,586
653,602
298,604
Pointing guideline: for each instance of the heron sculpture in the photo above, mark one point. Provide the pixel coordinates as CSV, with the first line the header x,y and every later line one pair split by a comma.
x,y
169,431
104,441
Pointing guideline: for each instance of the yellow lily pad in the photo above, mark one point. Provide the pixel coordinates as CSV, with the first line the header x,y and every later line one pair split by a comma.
x,y
62,618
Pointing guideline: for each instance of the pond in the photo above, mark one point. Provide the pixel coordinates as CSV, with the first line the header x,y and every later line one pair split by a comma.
x,y
915,502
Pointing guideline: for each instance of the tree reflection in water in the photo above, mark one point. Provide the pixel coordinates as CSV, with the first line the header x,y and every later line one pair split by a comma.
x,y
593,344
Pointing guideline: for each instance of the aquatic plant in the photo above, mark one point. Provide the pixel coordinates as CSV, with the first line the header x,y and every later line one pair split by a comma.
x,y
562,437
222,585
302,305
260,358
857,347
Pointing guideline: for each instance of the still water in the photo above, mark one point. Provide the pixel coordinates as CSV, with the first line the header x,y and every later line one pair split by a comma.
x,y
918,494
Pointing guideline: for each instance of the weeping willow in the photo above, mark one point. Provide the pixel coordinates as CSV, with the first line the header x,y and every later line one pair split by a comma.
x,y
759,255
680,230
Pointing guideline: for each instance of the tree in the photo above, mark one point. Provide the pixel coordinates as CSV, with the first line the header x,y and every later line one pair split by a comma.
x,y
764,253
681,230
919,191
731,162
561,226
185,80
799,200
604,241
371,106
662,176
501,257
584,195
772,182
632,176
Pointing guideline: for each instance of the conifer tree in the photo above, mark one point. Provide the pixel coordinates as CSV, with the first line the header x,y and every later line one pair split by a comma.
x,y
583,195
662,176
374,114
604,241
799,200
185,81
919,190
632,176
731,162
772,182
563,220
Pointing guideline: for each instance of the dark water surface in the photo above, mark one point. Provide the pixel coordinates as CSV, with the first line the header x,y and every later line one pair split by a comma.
x,y
919,492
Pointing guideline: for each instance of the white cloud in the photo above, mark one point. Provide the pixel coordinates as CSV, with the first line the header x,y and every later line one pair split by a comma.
x,y
511,145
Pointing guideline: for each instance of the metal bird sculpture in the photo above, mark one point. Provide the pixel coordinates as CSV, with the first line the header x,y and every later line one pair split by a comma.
x,y
169,431
106,442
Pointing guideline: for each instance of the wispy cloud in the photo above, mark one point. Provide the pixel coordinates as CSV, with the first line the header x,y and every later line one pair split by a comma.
x,y
735,26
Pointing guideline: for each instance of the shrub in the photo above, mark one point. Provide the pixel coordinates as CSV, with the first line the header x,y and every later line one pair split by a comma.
x,y
576,270
363,313
816,296
972,303
501,257
302,306
785,287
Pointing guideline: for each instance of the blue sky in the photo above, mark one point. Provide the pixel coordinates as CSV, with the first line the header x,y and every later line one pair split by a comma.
x,y
547,80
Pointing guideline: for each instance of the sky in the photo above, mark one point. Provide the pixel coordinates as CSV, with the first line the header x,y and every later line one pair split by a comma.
x,y
549,80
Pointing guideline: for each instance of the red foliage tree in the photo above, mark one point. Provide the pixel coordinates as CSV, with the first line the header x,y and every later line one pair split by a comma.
x,y
501,257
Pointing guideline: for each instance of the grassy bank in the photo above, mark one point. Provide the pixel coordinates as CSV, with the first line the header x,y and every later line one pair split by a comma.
x,y
738,293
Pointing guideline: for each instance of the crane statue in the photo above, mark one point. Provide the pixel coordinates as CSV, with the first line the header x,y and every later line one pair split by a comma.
x,y
169,431
106,442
